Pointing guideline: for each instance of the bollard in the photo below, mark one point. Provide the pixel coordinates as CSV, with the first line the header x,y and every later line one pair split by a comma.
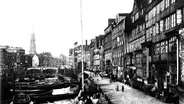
x,y
122,88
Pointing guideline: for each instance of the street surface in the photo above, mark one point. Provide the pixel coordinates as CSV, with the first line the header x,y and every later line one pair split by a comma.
x,y
129,96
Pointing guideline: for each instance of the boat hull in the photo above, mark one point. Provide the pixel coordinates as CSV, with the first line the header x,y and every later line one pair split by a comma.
x,y
72,94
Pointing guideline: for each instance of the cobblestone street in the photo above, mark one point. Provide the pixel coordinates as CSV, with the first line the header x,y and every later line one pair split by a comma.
x,y
129,96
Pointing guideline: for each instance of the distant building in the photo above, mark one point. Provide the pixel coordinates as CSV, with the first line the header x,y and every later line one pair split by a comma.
x,y
45,59
71,57
12,58
3,60
16,57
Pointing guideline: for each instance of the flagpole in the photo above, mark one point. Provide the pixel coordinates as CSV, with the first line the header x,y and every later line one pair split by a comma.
x,y
82,46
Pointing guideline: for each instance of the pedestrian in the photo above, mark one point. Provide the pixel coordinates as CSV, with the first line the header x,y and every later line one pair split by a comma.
x,y
88,100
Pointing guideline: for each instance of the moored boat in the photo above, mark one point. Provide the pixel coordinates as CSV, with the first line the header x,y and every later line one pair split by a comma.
x,y
51,86
59,94
21,98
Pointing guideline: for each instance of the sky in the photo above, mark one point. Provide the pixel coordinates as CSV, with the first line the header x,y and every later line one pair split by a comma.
x,y
56,23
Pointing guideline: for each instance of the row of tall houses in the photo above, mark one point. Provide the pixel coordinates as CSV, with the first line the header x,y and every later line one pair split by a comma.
x,y
147,45
75,55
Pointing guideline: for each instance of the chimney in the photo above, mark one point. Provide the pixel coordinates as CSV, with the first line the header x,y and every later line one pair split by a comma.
x,y
86,42
110,21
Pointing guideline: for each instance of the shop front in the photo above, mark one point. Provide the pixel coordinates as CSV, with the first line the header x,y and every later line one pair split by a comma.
x,y
108,63
181,65
169,55
158,66
127,66
146,62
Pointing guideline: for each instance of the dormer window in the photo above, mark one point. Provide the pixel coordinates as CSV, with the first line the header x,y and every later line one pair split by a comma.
x,y
173,1
136,16
132,19
150,1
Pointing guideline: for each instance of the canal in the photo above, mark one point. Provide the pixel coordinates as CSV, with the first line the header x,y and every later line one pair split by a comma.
x,y
67,101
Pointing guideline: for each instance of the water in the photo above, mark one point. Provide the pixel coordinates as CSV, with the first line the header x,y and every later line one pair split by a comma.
x,y
67,101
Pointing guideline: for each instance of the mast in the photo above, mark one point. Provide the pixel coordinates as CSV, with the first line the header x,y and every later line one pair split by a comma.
x,y
82,46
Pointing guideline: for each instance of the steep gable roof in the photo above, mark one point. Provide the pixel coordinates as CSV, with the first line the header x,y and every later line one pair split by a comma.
x,y
138,4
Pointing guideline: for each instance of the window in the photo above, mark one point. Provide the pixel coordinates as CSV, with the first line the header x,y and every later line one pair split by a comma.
x,y
172,44
151,22
146,17
132,19
136,16
158,48
166,3
154,11
161,25
150,30
150,15
147,34
143,26
162,5
167,22
162,47
140,28
157,28
179,16
142,12
138,58
166,47
158,8
172,1
154,30
173,20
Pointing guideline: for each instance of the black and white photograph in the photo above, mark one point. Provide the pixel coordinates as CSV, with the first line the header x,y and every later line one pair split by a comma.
x,y
91,51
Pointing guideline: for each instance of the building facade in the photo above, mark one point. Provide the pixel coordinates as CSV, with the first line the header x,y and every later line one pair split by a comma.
x,y
12,60
164,22
118,44
148,44
3,61
155,44
108,46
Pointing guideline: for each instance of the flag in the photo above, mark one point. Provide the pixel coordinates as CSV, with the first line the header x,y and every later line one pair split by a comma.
x,y
75,43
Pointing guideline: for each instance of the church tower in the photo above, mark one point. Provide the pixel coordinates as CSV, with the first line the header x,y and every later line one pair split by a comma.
x,y
32,44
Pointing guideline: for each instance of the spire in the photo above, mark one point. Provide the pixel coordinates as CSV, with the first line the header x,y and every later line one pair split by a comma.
x,y
32,44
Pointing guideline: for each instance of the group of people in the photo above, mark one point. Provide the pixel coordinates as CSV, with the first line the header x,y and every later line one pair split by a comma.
x,y
90,93
88,99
